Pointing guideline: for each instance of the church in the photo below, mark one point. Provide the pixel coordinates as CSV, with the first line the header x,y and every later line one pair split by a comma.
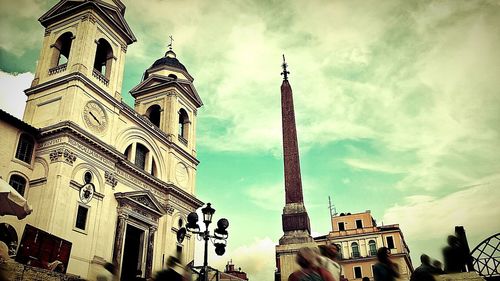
x,y
107,182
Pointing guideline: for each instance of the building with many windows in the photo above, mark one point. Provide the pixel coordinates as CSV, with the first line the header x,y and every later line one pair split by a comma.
x,y
114,183
358,238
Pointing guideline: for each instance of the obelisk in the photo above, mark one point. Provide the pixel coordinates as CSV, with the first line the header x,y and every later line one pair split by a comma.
x,y
295,221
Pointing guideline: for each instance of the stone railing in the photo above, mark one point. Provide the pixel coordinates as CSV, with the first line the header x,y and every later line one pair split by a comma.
x,y
97,74
57,69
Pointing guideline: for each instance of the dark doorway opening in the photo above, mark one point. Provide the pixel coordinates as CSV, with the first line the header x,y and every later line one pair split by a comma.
x,y
132,253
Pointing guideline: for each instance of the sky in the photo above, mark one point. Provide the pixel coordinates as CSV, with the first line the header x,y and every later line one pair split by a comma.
x,y
397,107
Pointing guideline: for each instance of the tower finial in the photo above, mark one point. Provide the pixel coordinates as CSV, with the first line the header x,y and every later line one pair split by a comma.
x,y
284,66
171,42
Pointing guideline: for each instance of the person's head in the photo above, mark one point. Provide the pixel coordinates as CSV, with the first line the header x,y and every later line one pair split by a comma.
x,y
329,251
4,251
306,258
383,254
365,279
425,259
437,264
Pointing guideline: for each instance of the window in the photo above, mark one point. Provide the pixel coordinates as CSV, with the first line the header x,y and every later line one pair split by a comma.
x,y
81,217
103,58
359,224
24,150
153,114
357,272
355,250
62,49
339,248
140,156
373,247
341,226
18,183
390,242
183,124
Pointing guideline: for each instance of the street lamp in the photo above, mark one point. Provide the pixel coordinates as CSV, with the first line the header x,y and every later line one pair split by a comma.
x,y
219,237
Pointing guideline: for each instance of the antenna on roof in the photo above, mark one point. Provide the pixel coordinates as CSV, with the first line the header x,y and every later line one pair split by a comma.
x,y
333,210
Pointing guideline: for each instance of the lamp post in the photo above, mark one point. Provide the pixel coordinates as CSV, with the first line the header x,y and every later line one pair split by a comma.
x,y
219,237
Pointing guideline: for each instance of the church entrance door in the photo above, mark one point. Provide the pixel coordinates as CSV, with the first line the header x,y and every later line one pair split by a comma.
x,y
133,253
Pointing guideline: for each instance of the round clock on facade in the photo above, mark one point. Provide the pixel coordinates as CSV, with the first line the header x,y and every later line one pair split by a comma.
x,y
181,174
86,193
95,117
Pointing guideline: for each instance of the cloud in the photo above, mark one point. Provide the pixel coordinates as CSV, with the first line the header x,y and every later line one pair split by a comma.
x,y
12,97
268,197
256,259
427,220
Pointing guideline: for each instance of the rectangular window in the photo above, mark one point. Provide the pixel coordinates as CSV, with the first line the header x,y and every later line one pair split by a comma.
x,y
357,272
341,226
390,242
81,217
25,148
359,224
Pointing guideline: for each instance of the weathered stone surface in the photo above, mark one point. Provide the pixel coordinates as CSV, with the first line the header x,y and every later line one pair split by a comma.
x,y
19,272
464,276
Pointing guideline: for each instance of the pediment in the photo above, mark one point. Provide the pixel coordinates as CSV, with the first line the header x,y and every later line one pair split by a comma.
x,y
155,82
141,199
109,12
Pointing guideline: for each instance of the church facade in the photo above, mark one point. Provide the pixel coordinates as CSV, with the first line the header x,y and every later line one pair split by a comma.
x,y
116,182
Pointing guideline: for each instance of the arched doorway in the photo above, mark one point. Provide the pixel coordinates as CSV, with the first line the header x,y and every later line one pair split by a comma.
x,y
8,235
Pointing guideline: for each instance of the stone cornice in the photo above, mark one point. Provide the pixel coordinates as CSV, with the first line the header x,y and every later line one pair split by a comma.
x,y
70,128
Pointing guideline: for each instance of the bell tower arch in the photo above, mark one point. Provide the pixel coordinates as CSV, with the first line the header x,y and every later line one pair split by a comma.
x,y
82,58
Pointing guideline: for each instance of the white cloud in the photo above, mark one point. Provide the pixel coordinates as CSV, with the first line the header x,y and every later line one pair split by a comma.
x,y
427,220
12,97
268,197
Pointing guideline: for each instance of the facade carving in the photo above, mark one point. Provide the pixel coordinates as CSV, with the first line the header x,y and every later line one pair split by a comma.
x,y
62,154
110,178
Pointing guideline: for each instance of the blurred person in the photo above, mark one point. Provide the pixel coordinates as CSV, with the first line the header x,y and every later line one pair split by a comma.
x,y
365,279
385,269
437,266
328,260
107,273
174,272
5,273
424,271
454,259
309,267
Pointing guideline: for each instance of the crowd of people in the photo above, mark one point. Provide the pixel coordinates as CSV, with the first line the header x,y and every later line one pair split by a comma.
x,y
322,265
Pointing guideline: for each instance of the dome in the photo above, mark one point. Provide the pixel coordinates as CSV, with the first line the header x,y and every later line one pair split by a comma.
x,y
169,60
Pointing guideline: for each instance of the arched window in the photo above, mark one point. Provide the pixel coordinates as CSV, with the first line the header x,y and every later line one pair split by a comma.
x,y
25,147
140,156
103,58
127,152
339,250
355,250
373,247
153,114
8,235
62,49
173,76
18,183
183,124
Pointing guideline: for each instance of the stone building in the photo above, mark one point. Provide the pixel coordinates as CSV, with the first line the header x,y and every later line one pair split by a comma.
x,y
114,181
359,237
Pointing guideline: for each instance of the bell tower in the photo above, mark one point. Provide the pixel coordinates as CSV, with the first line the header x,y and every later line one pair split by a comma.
x,y
168,99
82,59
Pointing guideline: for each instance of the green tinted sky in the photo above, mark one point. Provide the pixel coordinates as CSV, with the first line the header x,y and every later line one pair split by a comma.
x,y
397,106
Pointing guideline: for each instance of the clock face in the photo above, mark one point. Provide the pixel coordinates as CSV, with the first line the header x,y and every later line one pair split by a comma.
x,y
86,192
95,117
181,174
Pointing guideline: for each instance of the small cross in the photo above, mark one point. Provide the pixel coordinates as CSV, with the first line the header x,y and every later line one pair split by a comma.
x,y
285,72
171,42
